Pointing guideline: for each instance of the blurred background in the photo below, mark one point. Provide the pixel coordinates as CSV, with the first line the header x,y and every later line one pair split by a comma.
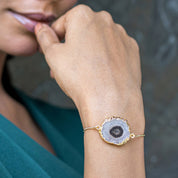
x,y
153,23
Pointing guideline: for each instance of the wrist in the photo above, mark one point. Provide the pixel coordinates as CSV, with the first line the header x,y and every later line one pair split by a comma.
x,y
93,110
99,154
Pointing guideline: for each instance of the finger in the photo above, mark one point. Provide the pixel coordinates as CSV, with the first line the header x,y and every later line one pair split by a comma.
x,y
46,37
121,29
70,22
59,27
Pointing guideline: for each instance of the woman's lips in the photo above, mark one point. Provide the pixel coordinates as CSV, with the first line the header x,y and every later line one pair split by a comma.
x,y
30,20
40,17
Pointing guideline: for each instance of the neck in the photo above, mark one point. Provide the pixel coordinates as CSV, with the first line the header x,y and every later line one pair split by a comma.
x,y
2,62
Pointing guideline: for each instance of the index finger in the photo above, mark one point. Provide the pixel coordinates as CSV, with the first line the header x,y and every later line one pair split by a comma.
x,y
46,37
71,21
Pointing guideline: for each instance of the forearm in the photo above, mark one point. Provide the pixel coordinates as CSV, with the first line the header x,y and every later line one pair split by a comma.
x,y
104,160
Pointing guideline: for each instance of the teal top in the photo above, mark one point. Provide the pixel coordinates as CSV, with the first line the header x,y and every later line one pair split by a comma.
x,y
23,157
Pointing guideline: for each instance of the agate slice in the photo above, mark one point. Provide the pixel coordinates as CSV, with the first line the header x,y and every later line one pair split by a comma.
x,y
115,131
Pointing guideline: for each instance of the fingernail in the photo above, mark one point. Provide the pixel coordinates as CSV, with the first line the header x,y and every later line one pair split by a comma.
x,y
38,27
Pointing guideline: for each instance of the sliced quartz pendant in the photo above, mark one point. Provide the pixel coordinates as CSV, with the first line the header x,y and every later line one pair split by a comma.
x,y
115,131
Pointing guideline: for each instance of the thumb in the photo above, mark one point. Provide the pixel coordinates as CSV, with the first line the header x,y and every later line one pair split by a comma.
x,y
46,37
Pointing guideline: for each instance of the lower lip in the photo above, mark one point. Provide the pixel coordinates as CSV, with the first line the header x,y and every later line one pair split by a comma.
x,y
28,23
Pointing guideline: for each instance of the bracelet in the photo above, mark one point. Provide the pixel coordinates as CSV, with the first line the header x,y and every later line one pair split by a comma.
x,y
115,130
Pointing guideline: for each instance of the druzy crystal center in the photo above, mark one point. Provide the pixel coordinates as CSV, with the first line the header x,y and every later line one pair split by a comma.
x,y
116,131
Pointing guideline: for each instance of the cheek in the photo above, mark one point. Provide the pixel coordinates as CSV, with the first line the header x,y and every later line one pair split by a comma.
x,y
64,6
14,40
69,3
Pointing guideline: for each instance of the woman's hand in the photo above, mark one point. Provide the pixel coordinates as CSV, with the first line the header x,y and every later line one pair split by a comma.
x,y
98,66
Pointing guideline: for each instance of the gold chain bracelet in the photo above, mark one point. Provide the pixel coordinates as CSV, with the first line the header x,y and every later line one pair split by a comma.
x,y
115,130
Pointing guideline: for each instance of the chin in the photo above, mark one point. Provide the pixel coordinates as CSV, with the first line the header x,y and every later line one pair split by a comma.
x,y
25,45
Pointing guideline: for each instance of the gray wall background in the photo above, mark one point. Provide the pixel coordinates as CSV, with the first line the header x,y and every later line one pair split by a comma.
x,y
153,23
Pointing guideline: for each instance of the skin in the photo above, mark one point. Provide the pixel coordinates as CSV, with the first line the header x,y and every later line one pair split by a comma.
x,y
17,41
103,78
98,66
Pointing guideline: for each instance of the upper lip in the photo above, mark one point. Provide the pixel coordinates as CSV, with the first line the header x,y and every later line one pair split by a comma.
x,y
41,17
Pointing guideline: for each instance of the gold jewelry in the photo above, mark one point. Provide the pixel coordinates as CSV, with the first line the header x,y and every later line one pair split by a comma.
x,y
115,130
